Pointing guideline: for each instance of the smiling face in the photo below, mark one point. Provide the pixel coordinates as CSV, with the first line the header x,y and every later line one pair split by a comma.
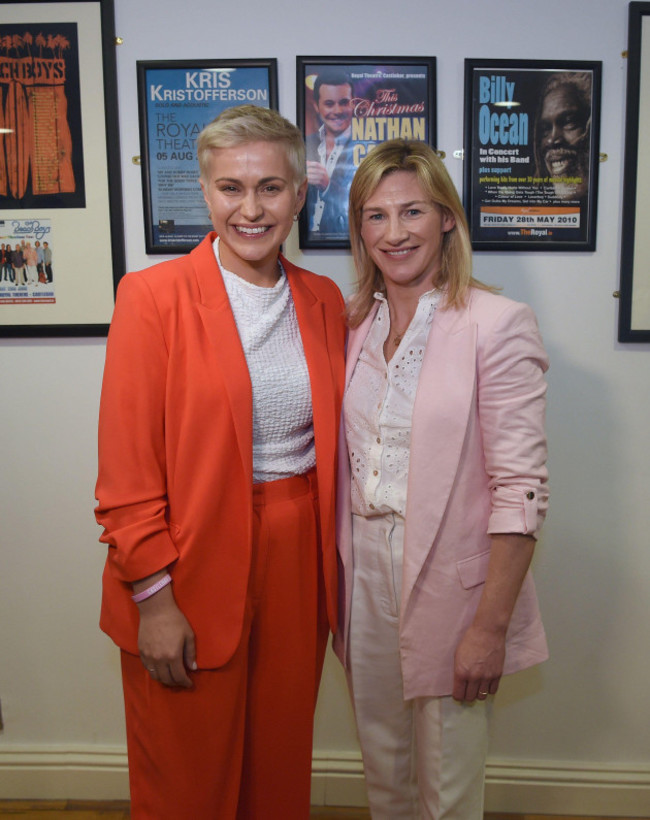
x,y
403,231
334,107
564,136
252,197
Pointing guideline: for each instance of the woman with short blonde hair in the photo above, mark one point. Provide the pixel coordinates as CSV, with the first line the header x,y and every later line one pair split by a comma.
x,y
223,380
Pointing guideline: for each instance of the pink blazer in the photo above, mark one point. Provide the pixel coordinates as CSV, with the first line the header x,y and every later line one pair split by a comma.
x,y
175,444
477,466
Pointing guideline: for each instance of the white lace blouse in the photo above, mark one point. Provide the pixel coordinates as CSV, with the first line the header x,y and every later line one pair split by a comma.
x,y
378,408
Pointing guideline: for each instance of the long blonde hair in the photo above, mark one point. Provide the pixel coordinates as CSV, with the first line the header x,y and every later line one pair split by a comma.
x,y
418,158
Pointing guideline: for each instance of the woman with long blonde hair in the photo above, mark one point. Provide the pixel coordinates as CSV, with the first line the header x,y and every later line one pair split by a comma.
x,y
443,489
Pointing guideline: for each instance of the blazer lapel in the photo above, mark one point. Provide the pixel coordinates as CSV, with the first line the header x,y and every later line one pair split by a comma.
x,y
440,416
221,330
356,339
355,342
310,313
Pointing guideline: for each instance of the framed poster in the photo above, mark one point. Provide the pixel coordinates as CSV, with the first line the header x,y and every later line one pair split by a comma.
x,y
177,99
531,154
345,106
61,232
634,309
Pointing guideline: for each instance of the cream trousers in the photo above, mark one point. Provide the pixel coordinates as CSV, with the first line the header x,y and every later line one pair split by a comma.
x,y
423,758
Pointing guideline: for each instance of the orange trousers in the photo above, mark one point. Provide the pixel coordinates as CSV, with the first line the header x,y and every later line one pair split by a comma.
x,y
239,743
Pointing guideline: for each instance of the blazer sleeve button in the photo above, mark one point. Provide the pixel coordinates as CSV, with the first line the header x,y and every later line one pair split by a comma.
x,y
530,495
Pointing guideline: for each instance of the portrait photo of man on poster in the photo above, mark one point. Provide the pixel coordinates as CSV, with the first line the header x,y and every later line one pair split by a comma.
x,y
531,154
330,165
562,133
346,106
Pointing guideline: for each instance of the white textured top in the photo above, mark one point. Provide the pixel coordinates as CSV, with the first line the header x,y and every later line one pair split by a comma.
x,y
378,408
283,430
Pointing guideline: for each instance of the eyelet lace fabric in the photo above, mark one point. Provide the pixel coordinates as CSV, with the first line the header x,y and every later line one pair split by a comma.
x,y
378,408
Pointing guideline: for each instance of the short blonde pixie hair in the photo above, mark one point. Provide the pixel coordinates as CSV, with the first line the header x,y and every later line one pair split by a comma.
x,y
418,158
251,123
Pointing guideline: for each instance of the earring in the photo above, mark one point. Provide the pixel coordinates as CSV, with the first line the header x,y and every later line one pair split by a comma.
x,y
295,217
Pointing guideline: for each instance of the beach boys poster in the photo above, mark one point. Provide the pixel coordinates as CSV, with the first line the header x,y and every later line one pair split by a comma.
x,y
346,106
531,154
61,221
41,153
176,100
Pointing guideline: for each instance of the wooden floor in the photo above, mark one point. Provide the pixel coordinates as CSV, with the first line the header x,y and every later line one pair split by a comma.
x,y
119,810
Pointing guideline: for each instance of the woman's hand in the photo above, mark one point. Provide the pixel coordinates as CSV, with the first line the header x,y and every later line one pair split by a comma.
x,y
166,640
480,655
478,664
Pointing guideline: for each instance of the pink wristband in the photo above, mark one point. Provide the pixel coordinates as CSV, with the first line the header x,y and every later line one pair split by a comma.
x,y
149,591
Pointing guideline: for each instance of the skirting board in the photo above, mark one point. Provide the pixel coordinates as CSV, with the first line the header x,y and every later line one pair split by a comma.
x,y
534,787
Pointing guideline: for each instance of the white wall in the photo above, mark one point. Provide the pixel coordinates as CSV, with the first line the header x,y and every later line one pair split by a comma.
x,y
571,735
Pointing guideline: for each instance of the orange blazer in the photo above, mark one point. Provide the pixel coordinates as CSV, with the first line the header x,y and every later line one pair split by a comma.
x,y
175,444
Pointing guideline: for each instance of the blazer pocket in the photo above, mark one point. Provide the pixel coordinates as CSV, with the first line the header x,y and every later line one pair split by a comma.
x,y
473,571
